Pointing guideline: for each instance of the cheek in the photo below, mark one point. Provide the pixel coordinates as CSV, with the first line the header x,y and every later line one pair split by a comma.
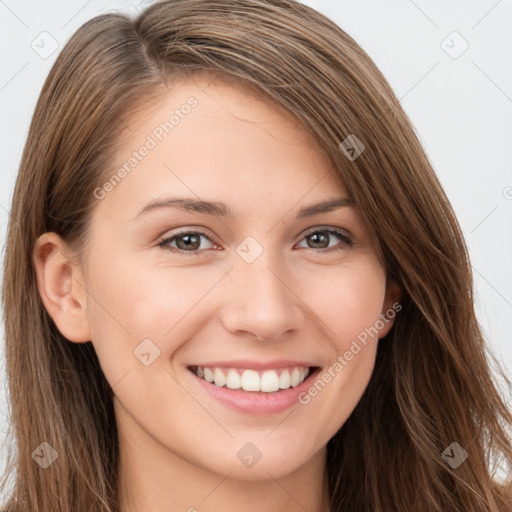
x,y
349,306
137,324
348,300
134,303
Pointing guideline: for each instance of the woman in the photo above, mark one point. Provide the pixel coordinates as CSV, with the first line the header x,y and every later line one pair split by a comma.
x,y
259,371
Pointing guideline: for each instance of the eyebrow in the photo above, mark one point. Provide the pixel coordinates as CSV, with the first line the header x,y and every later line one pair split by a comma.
x,y
220,209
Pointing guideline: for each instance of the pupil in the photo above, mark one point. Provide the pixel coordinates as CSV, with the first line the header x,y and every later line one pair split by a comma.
x,y
188,243
316,235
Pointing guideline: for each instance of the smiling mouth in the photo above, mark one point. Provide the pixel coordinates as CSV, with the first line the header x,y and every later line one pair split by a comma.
x,y
262,381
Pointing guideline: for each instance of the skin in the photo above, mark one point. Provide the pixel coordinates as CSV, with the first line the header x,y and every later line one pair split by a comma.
x,y
304,300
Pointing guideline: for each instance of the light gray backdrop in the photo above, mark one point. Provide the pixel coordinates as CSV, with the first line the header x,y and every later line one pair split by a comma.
x,y
450,64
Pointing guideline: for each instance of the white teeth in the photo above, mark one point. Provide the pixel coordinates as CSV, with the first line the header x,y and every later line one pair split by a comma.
x,y
233,380
208,374
294,378
219,377
267,381
250,380
284,379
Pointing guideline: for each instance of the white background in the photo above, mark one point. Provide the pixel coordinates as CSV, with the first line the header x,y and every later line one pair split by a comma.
x,y
461,108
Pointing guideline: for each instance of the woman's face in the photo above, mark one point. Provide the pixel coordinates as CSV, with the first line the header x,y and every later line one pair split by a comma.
x,y
256,299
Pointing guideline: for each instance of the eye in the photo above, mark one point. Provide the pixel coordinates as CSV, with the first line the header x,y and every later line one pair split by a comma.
x,y
188,242
320,237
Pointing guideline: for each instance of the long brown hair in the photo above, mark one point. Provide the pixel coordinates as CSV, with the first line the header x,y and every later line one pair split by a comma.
x,y
433,380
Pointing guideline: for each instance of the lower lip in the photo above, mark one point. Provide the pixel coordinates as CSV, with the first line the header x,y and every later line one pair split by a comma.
x,y
251,402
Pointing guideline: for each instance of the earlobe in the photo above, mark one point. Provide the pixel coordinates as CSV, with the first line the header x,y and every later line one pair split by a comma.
x,y
61,288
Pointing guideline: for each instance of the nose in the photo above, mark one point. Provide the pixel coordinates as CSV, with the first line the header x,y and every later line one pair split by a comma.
x,y
262,302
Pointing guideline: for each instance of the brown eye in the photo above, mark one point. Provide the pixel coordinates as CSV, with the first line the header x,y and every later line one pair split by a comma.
x,y
187,242
320,239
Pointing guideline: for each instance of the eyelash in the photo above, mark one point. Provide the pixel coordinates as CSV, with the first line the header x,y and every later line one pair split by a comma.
x,y
346,241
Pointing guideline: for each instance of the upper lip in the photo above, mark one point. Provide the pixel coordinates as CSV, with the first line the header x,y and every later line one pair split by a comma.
x,y
255,365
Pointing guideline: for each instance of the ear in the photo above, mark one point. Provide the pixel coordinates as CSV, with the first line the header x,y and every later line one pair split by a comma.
x,y
390,307
61,287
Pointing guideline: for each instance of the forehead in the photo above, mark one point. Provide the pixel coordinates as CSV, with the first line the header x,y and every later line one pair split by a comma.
x,y
212,138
